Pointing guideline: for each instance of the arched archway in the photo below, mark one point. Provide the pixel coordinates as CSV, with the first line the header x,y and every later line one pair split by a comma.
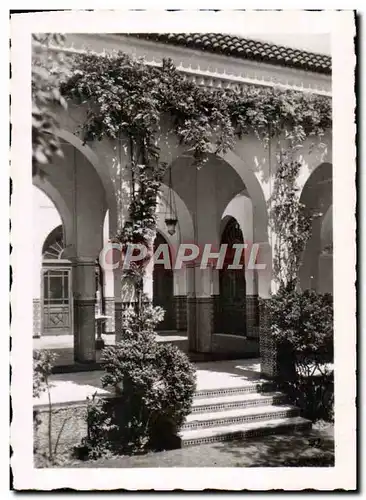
x,y
100,169
163,288
231,313
317,264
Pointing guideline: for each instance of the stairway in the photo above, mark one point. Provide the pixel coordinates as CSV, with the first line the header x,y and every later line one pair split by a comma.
x,y
238,412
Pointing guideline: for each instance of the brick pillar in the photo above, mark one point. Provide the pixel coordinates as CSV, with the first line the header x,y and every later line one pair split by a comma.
x,y
84,309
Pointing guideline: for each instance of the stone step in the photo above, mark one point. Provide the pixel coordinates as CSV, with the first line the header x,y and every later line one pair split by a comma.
x,y
177,340
246,400
243,430
238,415
260,386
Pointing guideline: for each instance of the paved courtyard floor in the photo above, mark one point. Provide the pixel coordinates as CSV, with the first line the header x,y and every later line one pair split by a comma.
x,y
314,448
74,387
63,345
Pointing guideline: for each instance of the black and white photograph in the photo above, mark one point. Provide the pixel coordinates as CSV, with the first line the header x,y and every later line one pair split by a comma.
x,y
183,257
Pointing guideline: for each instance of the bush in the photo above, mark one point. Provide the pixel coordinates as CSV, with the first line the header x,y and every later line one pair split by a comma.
x,y
155,384
301,323
314,395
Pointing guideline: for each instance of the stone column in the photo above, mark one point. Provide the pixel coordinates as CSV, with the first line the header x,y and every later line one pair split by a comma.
x,y
84,309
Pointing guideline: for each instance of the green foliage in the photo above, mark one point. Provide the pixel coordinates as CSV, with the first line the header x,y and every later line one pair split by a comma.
x,y
155,384
303,319
126,98
46,100
289,220
43,361
99,425
146,319
313,394
301,323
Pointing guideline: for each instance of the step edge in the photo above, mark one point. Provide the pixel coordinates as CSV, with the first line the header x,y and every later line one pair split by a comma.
x,y
249,411
251,396
233,428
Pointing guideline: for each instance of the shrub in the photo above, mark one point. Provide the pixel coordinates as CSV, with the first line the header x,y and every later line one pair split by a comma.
x,y
301,323
43,361
314,395
155,384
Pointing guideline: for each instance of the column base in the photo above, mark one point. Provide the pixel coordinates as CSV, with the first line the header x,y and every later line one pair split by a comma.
x,y
200,323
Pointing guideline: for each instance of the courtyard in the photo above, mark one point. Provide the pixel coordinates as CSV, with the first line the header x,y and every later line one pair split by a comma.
x,y
183,256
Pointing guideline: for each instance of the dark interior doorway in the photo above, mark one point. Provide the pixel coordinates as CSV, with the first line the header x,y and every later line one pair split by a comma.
x,y
163,291
231,314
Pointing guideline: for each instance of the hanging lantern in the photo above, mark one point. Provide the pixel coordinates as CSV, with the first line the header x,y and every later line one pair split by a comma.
x,y
171,224
171,220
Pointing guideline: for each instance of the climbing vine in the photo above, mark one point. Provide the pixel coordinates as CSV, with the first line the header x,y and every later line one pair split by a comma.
x,y
46,99
127,98
289,221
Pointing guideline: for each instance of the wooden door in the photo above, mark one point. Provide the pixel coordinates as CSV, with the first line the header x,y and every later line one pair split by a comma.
x,y
57,302
163,292
232,301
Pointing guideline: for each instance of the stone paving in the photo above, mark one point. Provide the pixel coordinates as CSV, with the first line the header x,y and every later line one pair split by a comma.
x,y
63,345
73,387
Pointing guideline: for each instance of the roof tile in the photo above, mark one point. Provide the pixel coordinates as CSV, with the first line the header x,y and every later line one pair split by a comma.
x,y
246,49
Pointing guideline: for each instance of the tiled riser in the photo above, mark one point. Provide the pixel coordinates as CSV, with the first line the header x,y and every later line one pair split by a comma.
x,y
265,431
233,391
240,404
240,420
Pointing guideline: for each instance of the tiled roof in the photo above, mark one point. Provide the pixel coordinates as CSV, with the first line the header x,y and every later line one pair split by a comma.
x,y
245,48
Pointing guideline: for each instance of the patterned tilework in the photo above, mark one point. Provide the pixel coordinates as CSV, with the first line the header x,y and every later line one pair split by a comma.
x,y
252,316
267,347
181,312
37,318
110,312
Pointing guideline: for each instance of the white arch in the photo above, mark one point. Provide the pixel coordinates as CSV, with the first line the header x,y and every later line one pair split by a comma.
x,y
54,195
102,171
252,184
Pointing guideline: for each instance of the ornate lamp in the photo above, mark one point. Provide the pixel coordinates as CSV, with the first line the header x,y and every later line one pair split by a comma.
x,y
171,218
